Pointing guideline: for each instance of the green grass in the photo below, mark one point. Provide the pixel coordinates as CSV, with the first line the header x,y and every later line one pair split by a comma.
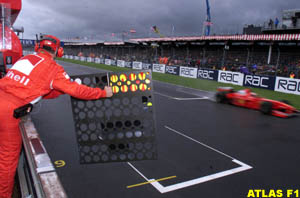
x,y
96,65
206,85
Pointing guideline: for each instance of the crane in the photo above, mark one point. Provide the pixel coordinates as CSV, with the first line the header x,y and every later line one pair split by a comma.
x,y
207,23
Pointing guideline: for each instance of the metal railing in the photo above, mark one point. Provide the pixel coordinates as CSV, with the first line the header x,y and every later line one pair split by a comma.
x,y
37,176
271,27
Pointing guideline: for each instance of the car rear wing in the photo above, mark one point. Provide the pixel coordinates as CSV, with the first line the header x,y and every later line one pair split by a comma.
x,y
229,89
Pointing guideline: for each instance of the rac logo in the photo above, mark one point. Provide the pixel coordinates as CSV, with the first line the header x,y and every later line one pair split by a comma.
x,y
171,70
289,85
257,81
205,74
190,72
229,77
158,68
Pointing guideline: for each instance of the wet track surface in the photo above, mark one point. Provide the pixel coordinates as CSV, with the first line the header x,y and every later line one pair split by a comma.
x,y
209,147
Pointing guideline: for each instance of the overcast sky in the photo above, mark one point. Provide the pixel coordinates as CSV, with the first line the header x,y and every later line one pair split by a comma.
x,y
100,18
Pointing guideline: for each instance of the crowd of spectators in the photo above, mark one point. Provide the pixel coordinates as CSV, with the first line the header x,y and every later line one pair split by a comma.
x,y
284,61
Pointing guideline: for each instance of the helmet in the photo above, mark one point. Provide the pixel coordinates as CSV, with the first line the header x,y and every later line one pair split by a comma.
x,y
50,43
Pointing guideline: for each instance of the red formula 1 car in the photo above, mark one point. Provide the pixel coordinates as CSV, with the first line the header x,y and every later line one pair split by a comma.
x,y
247,98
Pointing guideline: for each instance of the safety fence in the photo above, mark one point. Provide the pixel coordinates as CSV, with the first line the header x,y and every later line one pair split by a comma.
x,y
279,84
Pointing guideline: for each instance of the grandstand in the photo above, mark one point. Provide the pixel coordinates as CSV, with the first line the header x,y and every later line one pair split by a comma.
x,y
272,54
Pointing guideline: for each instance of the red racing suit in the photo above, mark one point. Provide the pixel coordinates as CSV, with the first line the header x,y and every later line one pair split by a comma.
x,y
30,78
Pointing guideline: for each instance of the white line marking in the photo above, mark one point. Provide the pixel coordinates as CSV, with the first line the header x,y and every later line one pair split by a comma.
x,y
174,98
138,171
242,164
181,86
199,142
203,98
165,189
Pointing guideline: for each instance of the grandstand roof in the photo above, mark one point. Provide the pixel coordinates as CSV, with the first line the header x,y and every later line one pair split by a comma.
x,y
114,43
104,43
262,37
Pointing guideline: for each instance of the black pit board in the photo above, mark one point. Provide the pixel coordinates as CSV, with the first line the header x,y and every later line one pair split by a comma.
x,y
117,129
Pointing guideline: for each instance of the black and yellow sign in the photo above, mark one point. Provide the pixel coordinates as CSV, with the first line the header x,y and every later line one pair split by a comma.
x,y
117,129
136,81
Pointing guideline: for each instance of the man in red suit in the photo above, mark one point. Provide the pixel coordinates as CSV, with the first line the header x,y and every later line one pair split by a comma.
x,y
32,78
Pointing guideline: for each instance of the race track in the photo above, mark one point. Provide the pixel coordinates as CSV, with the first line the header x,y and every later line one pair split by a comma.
x,y
214,150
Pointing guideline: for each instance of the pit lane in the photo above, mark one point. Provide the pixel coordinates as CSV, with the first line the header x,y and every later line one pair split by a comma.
x,y
197,139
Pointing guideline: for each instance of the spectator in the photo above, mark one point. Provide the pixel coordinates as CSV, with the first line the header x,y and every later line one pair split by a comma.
x,y
276,22
165,60
285,70
244,70
292,75
271,23
254,68
255,57
294,21
198,63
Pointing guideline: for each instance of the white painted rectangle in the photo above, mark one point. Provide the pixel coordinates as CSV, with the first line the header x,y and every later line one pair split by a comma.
x,y
160,68
137,65
287,85
89,59
188,72
107,62
97,60
234,78
120,63
165,189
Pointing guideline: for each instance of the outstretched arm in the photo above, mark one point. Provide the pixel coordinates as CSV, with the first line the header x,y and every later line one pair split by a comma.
x,y
62,83
53,94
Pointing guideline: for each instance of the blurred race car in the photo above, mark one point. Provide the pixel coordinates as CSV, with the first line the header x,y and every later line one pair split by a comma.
x,y
247,98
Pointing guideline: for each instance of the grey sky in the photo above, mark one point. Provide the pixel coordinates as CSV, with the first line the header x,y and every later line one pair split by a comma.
x,y
101,18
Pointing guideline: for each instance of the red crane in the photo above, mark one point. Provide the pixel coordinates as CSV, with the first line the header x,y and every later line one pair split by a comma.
x,y
10,45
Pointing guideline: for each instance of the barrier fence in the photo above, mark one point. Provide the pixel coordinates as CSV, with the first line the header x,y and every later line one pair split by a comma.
x,y
279,84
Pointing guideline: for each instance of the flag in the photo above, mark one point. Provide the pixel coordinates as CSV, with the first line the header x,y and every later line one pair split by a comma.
x,y
208,23
132,31
173,30
155,29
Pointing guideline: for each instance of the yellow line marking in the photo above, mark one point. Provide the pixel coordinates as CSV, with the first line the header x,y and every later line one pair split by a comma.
x,y
161,179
